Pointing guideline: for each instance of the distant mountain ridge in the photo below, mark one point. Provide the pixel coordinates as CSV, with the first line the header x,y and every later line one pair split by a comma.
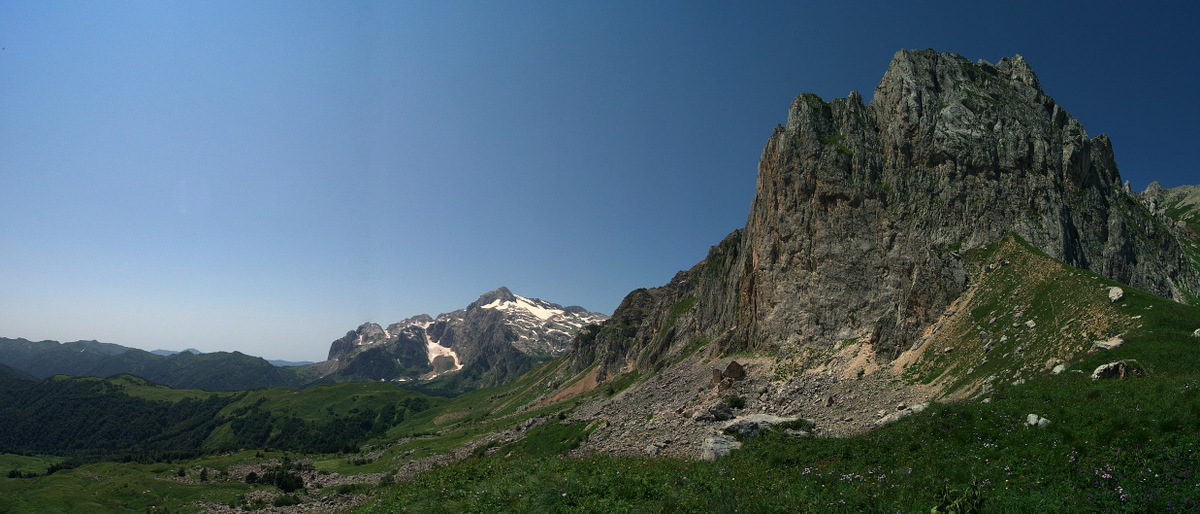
x,y
168,353
274,362
217,371
7,372
491,341
494,339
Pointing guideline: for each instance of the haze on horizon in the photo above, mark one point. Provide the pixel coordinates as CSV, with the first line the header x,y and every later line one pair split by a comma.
x,y
265,177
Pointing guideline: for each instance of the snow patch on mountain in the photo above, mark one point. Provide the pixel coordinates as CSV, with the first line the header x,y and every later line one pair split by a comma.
x,y
525,304
435,349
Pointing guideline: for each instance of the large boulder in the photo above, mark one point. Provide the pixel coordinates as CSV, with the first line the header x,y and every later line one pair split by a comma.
x,y
734,371
1109,344
901,414
1118,370
1034,420
752,425
1116,294
718,411
718,445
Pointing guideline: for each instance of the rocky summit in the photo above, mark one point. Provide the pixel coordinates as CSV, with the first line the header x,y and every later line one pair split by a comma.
x,y
492,340
862,212
853,251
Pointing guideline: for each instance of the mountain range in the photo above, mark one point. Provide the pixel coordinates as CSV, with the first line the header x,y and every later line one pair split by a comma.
x,y
491,341
217,371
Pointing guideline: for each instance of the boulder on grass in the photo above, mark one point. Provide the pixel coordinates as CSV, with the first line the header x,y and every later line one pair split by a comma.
x,y
1109,344
1118,370
1034,420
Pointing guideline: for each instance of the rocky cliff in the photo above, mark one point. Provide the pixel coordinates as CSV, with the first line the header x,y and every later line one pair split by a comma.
x,y
862,211
497,337
1177,209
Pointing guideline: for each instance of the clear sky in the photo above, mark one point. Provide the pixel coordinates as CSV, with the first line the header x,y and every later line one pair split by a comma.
x,y
263,177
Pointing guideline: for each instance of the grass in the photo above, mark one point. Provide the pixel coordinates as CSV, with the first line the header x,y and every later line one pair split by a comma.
x,y
158,487
988,335
26,464
109,487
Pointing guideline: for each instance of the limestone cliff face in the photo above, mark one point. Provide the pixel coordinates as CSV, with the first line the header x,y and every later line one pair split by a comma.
x,y
860,213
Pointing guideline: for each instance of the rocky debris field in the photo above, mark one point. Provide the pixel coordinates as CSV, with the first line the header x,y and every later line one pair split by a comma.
x,y
672,413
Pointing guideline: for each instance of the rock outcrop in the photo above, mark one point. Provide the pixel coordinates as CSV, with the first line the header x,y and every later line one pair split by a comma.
x,y
861,213
1118,370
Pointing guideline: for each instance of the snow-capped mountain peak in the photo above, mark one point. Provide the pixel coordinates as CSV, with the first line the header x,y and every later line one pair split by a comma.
x,y
527,330
544,311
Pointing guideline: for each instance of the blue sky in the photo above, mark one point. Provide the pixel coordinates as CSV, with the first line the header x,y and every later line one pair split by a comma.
x,y
264,176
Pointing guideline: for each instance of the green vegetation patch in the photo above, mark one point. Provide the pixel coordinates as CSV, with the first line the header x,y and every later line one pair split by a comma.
x,y
1024,313
553,438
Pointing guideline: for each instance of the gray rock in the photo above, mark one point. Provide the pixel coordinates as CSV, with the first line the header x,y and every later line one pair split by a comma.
x,y
1116,294
653,449
752,425
1118,370
718,445
901,414
1196,333
734,371
1058,369
720,411
1109,344
1030,324
1034,420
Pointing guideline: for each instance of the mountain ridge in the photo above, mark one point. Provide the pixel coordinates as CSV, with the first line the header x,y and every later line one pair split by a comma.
x,y
216,371
491,341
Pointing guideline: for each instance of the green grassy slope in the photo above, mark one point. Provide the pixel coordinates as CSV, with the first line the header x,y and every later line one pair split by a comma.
x,y
123,467
127,417
1022,314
